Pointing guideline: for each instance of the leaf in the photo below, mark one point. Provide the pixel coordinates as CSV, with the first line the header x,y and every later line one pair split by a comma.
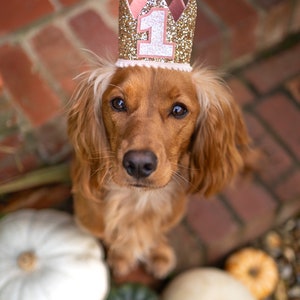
x,y
48,175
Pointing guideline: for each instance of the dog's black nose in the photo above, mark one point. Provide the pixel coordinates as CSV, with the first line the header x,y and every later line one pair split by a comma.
x,y
139,164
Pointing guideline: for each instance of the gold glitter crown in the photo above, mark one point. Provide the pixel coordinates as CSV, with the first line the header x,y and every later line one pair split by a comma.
x,y
151,33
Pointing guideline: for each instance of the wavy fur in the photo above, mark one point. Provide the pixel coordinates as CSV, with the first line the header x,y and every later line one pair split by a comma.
x,y
200,152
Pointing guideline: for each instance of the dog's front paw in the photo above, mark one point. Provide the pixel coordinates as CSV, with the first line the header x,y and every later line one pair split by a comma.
x,y
161,261
120,264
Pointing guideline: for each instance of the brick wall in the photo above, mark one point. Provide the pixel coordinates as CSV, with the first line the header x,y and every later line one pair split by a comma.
x,y
40,54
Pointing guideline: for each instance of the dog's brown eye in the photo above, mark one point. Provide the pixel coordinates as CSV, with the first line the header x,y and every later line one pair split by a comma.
x,y
118,104
179,111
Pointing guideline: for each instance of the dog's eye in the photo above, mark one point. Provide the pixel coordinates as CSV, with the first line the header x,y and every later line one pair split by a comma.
x,y
179,111
118,104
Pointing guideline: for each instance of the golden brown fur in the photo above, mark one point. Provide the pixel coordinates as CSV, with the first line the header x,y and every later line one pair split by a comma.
x,y
199,151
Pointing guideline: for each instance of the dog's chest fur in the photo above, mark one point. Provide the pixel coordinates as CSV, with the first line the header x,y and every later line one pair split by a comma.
x,y
137,217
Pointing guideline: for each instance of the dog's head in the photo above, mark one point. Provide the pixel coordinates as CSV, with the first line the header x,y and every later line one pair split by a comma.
x,y
143,127
149,116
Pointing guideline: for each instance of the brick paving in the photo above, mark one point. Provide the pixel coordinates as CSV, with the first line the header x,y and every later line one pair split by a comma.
x,y
41,52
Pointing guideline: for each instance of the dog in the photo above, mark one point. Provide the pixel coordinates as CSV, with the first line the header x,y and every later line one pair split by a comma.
x,y
144,138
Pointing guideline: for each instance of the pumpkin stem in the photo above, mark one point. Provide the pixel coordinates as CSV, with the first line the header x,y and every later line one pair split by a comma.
x,y
254,272
27,261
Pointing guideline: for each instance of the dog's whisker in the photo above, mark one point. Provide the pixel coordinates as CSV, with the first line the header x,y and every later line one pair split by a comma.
x,y
101,157
180,179
98,156
185,167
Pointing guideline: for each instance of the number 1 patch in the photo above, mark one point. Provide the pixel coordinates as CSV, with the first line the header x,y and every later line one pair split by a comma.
x,y
155,23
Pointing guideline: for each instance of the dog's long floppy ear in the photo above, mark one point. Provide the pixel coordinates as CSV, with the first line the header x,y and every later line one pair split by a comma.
x,y
220,143
85,127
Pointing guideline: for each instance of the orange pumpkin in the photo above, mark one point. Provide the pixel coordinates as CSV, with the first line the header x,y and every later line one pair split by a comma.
x,y
255,269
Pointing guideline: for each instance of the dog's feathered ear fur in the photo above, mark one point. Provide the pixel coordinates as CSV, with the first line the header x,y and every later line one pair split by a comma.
x,y
86,130
220,143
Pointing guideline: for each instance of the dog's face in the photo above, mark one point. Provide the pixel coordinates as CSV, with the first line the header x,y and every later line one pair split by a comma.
x,y
149,117
142,127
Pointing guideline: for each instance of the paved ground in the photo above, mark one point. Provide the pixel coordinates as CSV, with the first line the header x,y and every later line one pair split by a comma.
x,y
39,56
268,90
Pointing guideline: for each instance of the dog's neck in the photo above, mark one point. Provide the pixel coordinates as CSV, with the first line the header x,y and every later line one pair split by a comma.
x,y
141,200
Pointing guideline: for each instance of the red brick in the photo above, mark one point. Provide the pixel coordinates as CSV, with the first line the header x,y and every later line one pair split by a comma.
x,y
237,12
242,20
243,40
250,201
95,34
276,161
210,219
113,8
59,56
208,53
268,4
240,92
275,23
205,29
207,41
69,2
258,226
293,87
255,206
52,141
283,117
220,248
295,24
187,250
215,226
288,210
1,84
289,188
18,13
29,91
267,74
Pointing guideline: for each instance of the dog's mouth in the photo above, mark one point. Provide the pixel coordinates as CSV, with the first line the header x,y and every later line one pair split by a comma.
x,y
138,185
144,186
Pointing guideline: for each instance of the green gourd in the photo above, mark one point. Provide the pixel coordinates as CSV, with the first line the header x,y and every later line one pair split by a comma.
x,y
132,291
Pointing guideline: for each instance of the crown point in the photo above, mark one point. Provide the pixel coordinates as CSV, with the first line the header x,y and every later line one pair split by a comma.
x,y
136,6
155,33
177,7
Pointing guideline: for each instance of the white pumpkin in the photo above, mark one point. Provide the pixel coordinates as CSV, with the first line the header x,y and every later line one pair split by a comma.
x,y
206,284
44,255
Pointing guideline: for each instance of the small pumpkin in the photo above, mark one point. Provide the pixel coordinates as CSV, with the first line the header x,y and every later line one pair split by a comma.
x,y
206,284
255,269
132,291
44,255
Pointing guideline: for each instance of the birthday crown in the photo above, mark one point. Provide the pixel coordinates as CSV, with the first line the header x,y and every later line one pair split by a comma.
x,y
151,33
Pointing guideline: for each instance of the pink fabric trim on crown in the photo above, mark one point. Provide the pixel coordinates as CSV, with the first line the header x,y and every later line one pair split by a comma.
x,y
123,63
177,7
136,6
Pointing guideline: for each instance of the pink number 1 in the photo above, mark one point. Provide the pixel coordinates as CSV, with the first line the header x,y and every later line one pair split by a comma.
x,y
155,22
